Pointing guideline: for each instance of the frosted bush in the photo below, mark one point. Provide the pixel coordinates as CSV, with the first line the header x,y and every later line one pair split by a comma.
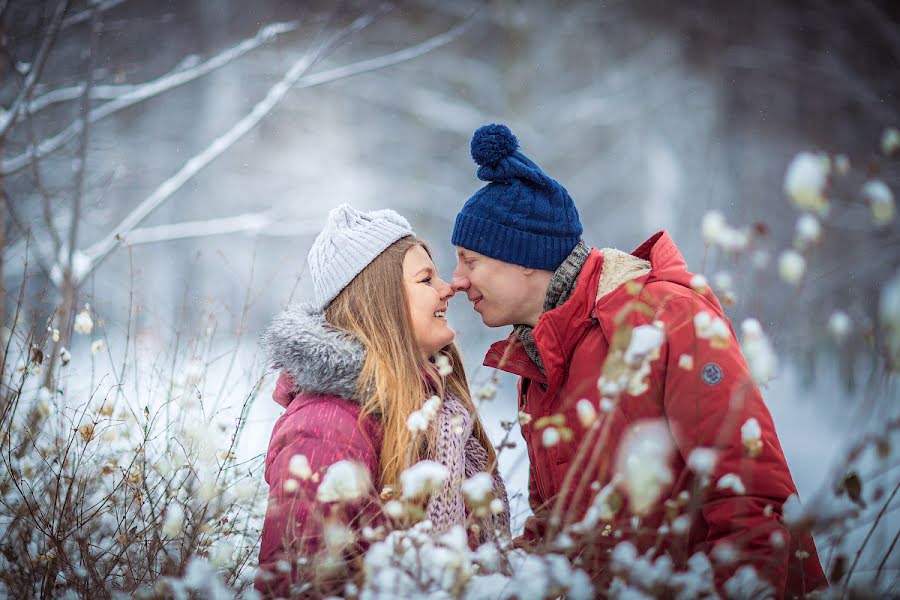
x,y
344,481
759,352
806,180
478,489
881,201
702,461
83,322
643,460
791,266
423,478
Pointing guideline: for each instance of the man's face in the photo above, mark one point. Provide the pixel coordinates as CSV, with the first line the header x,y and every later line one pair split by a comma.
x,y
499,291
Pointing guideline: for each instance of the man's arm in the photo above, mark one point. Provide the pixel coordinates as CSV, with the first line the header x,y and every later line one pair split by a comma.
x,y
706,406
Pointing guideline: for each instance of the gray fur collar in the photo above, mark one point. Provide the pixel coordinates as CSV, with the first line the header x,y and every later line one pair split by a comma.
x,y
319,358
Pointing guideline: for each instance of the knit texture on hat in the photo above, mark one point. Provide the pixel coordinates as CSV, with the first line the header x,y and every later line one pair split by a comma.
x,y
350,241
521,216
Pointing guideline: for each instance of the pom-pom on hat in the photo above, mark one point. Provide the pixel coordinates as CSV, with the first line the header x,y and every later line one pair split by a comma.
x,y
521,216
350,241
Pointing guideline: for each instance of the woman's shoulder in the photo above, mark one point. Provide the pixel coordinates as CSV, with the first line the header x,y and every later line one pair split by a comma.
x,y
321,409
326,421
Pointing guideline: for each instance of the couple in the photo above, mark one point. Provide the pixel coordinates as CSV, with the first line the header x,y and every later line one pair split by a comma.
x,y
374,347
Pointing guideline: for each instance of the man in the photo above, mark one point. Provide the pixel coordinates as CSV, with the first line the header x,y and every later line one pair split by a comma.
x,y
611,346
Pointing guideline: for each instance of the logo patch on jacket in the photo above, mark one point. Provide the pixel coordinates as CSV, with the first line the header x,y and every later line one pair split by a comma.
x,y
711,374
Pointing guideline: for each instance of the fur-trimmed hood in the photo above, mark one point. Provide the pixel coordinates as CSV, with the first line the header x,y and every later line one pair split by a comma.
x,y
319,358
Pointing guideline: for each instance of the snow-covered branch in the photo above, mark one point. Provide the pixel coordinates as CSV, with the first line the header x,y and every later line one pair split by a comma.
x,y
249,223
97,252
293,79
85,15
386,60
125,96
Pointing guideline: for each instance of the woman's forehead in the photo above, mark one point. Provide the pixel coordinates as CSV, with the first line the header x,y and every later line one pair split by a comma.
x,y
416,259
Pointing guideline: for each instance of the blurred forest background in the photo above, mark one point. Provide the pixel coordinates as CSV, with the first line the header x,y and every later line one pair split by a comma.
x,y
170,162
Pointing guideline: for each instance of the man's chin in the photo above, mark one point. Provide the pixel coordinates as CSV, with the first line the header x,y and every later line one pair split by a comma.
x,y
493,322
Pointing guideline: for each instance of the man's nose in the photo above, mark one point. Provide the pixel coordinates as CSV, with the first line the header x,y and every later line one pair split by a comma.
x,y
459,283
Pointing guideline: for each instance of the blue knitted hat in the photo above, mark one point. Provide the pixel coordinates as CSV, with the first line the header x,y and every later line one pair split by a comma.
x,y
521,216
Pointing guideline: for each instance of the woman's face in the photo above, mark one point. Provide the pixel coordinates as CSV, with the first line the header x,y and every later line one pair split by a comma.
x,y
427,296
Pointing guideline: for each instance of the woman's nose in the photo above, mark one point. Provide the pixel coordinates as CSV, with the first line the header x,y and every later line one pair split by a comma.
x,y
445,290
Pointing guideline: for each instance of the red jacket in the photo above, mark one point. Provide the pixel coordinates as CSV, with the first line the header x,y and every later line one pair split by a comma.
x,y
574,340
326,430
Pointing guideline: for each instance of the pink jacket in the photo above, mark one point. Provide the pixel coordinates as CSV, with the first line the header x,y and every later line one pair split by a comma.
x,y
322,423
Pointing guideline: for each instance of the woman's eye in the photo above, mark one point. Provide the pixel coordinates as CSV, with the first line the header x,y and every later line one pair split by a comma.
x,y
426,280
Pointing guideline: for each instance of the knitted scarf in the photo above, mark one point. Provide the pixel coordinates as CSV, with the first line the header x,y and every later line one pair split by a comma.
x,y
457,448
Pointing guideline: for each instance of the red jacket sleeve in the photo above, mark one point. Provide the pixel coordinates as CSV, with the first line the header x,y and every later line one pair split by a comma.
x,y
709,394
325,432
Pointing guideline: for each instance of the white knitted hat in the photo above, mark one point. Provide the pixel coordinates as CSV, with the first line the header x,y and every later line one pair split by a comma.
x,y
349,242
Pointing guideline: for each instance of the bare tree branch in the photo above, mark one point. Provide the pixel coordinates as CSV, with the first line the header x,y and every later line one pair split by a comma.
x,y
70,280
85,15
265,224
113,92
101,249
387,60
133,95
45,196
83,146
42,261
7,118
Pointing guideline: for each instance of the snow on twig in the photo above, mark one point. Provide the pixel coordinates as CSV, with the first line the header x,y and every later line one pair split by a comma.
x,y
85,15
102,248
386,60
131,95
250,223
194,165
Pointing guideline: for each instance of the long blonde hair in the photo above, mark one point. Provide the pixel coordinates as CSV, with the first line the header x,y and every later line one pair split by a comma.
x,y
396,379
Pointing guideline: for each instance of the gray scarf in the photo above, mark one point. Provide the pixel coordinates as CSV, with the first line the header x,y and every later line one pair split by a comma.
x,y
560,289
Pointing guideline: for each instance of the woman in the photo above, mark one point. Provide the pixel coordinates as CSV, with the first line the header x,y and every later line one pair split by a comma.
x,y
354,366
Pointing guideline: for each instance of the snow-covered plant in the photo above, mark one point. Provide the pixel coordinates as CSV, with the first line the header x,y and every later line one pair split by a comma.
x,y
113,489
644,460
344,481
